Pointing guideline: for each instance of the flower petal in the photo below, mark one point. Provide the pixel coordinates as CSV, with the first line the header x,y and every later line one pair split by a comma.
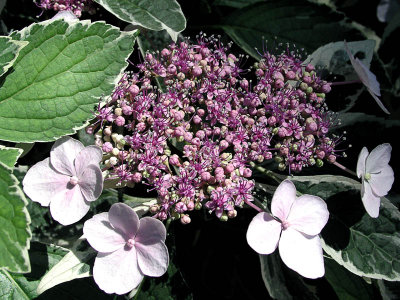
x,y
101,235
150,231
378,158
153,259
91,182
302,253
124,218
362,157
117,272
382,183
367,78
379,102
63,154
370,200
69,206
309,214
263,233
42,182
90,155
283,199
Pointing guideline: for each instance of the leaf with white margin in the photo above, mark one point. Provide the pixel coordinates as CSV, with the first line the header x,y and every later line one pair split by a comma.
x,y
73,265
9,50
9,155
365,246
152,14
273,277
59,77
14,224
23,286
332,58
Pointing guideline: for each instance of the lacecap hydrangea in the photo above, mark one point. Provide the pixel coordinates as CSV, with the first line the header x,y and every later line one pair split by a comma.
x,y
193,138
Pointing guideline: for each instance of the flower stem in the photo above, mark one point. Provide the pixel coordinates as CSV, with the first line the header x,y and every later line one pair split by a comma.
x,y
345,169
269,173
346,82
253,206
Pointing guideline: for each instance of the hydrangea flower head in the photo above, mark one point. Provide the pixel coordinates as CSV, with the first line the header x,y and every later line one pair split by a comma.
x,y
376,175
294,228
128,248
67,181
367,78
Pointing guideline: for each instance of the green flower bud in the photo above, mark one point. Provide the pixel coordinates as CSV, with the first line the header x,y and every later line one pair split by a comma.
x,y
319,163
281,167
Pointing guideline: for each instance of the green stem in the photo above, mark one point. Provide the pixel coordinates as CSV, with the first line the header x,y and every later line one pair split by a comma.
x,y
269,173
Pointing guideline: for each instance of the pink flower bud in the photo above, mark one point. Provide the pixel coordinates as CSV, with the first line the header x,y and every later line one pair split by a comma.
x,y
326,88
196,120
174,160
223,144
279,84
165,52
120,121
141,126
229,168
107,147
247,172
197,71
290,75
205,176
185,219
201,112
244,84
133,90
180,207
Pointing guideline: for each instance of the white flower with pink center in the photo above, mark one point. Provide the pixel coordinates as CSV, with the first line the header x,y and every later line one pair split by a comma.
x,y
376,175
67,181
293,228
128,248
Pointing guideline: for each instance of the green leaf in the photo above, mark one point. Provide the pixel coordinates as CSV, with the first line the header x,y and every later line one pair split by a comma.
x,y
351,118
9,155
59,77
14,223
152,14
347,286
236,3
332,58
72,266
299,22
273,277
23,286
365,246
9,50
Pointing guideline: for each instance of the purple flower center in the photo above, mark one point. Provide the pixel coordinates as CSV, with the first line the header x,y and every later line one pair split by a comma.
x,y
130,243
285,225
73,180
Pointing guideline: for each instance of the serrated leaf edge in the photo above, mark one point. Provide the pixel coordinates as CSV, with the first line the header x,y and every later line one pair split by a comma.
x,y
18,191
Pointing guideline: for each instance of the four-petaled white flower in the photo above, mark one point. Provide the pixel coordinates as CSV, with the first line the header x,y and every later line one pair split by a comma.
x,y
67,181
128,248
376,175
295,225
367,78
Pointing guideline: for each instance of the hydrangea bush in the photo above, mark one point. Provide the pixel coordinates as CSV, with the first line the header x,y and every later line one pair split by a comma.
x,y
159,136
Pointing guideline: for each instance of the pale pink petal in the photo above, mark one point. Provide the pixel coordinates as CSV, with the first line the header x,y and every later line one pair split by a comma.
x,y
152,259
117,272
69,206
124,218
309,214
378,158
370,200
63,154
379,102
263,233
382,182
302,253
283,199
367,78
90,155
150,231
42,182
91,182
101,235
362,157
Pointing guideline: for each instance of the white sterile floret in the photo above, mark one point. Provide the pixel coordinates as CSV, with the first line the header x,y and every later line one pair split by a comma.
x,y
293,228
376,175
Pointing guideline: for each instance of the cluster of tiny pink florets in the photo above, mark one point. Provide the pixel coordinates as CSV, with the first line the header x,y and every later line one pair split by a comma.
x,y
193,141
75,6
